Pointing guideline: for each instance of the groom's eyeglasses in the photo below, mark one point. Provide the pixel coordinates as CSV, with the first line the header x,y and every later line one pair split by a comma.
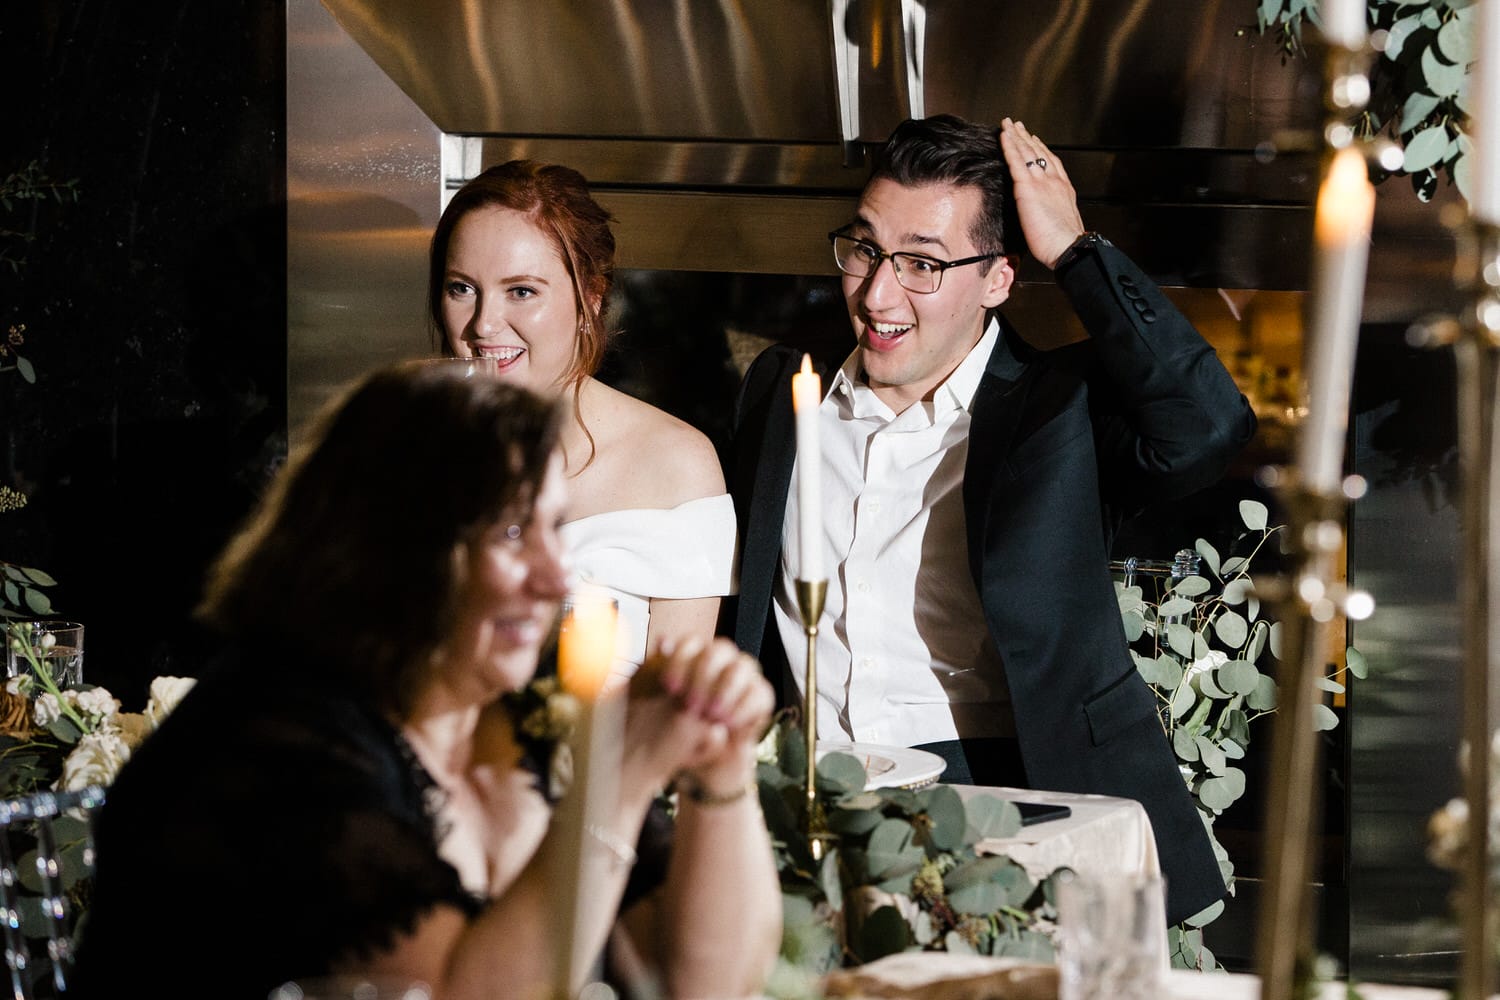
x,y
916,272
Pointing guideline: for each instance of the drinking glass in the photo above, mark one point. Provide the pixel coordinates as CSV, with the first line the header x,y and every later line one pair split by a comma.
x,y
1111,937
353,986
470,366
57,644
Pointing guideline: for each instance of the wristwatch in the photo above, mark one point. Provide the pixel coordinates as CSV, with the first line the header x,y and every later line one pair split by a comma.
x,y
1089,242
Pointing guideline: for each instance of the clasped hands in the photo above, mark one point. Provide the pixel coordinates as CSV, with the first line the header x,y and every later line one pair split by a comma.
x,y
697,709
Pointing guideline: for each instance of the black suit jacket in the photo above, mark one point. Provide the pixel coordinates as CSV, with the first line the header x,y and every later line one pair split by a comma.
x,y
1062,446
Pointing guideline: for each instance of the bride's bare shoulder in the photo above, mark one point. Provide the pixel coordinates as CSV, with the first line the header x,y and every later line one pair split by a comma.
x,y
652,458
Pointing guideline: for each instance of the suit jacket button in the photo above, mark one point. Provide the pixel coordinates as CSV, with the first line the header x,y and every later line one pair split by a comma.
x,y
1126,281
1149,315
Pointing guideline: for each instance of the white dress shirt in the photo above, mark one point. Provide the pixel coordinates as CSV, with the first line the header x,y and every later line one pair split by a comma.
x,y
904,656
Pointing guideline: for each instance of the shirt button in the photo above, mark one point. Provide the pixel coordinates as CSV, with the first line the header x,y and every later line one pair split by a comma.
x,y
874,507
862,586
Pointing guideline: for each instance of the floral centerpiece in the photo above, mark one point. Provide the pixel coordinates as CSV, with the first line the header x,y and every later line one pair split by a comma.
x,y
899,870
1205,646
63,738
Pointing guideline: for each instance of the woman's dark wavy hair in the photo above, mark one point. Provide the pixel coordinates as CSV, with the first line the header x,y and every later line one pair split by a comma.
x,y
557,200
946,149
358,552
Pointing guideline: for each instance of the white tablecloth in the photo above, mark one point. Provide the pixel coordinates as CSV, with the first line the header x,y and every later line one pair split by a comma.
x,y
1103,835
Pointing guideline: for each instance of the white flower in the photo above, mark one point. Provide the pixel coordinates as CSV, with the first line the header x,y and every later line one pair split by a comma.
x,y
95,761
166,692
20,684
46,710
96,703
765,750
1213,661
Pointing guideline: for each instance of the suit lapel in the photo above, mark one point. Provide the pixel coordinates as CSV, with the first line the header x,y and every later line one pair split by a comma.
x,y
996,413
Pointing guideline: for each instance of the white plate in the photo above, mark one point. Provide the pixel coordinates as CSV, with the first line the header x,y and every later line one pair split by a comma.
x,y
890,767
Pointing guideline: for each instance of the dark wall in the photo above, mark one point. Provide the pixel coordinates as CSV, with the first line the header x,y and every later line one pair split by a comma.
x,y
154,307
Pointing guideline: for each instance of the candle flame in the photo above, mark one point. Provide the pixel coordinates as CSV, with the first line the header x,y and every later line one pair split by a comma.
x,y
807,387
586,644
1346,201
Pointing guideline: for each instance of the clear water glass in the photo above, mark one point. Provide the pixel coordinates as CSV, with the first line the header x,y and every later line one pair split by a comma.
x,y
57,644
1111,937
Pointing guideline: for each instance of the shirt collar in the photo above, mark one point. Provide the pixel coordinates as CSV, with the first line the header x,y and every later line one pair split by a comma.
x,y
956,392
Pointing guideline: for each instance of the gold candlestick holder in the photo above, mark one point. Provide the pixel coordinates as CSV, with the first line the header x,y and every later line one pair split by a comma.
x,y
1475,339
1307,599
810,597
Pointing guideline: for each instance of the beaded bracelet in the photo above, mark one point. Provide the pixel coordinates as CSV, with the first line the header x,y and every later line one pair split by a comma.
x,y
700,793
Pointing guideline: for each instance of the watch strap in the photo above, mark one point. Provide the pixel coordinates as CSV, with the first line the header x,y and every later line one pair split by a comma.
x,y
1086,243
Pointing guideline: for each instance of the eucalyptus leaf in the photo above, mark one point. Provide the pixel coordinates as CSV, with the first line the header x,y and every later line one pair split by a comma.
x,y
1275,640
841,774
1200,646
1211,756
1257,642
1188,586
12,592
1169,671
1463,176
1207,915
950,821
830,881
1324,719
1208,685
1443,79
1239,677
1254,514
1231,629
1232,750
1135,625
1184,745
1180,640
1456,40
1183,701
38,577
890,836
1355,661
1425,148
992,818
1209,553
853,822
1269,11
1176,608
1233,565
1237,591
1263,698
1199,715
1415,111
38,602
26,370
1329,684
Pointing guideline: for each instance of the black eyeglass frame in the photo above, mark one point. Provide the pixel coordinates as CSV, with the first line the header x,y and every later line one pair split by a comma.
x,y
882,255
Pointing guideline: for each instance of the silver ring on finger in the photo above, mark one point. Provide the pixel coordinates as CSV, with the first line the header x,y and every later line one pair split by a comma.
x,y
1031,163
1041,162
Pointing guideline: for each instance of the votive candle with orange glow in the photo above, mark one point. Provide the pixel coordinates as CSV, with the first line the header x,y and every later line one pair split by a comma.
x,y
1346,209
585,653
807,396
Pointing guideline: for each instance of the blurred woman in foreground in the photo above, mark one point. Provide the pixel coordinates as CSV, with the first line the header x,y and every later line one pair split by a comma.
x,y
344,788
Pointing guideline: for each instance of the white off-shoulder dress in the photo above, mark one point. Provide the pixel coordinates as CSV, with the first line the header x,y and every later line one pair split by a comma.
x,y
676,553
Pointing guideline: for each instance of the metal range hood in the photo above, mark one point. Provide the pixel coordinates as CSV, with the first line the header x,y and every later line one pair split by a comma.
x,y
721,133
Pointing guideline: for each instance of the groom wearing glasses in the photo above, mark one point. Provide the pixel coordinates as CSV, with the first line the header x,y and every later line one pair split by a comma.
x,y
971,485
